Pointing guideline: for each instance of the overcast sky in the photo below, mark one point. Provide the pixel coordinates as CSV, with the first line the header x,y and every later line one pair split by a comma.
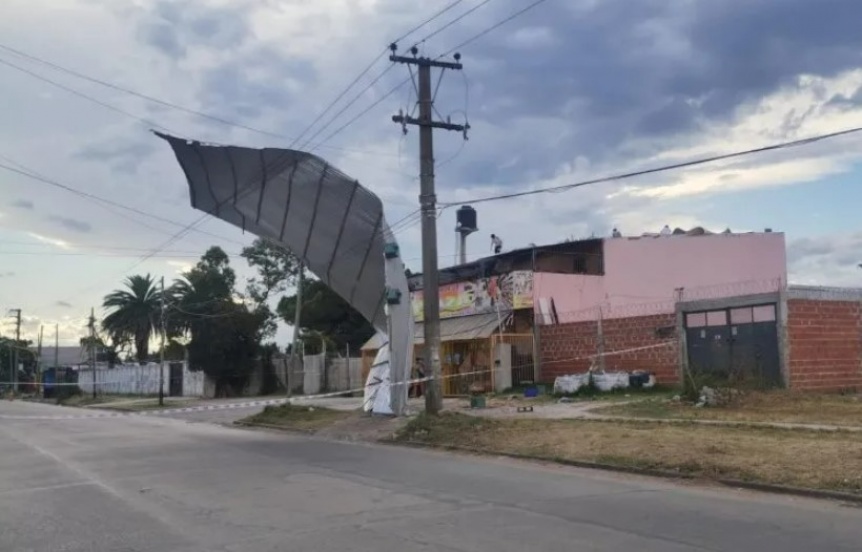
x,y
570,90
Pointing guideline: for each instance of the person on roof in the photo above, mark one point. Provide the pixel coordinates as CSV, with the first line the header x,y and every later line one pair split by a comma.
x,y
616,234
666,230
496,244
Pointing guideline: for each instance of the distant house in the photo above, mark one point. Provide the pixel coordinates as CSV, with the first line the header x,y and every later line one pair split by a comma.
x,y
63,357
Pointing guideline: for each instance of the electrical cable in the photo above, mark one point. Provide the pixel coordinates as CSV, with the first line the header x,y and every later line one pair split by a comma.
x,y
99,199
181,234
149,123
495,26
106,105
402,83
450,23
665,168
365,72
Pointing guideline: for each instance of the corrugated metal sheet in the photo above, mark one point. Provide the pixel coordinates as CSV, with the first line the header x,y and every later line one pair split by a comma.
x,y
459,328
296,199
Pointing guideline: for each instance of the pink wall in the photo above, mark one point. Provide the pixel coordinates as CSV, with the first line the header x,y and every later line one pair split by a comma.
x,y
642,274
576,296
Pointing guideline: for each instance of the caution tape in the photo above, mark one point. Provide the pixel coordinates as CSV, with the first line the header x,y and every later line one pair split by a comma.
x,y
290,400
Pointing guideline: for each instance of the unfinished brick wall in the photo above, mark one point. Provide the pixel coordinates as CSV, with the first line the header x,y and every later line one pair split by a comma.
x,y
565,347
825,344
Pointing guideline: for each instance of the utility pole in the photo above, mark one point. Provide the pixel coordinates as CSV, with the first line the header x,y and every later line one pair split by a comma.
x,y
297,319
162,352
39,362
93,347
428,205
15,356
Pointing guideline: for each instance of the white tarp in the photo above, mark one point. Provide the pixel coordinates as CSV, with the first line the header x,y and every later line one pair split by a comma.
x,y
377,394
327,219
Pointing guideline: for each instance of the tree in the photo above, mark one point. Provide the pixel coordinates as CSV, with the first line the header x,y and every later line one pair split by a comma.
x,y
277,268
224,334
134,313
104,351
26,357
326,314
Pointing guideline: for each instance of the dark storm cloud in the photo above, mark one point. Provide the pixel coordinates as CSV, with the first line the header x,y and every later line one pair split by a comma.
x,y
611,73
623,70
228,89
173,27
72,223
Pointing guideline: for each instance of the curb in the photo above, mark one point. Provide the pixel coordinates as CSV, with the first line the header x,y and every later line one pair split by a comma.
x,y
240,423
856,499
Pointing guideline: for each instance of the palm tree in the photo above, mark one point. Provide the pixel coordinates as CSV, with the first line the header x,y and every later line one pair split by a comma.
x,y
134,313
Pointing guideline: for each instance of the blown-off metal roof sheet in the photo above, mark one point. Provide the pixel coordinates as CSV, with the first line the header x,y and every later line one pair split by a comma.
x,y
296,199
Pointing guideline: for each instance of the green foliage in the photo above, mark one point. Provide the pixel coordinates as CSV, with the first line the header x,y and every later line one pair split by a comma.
x,y
134,313
277,268
225,345
8,347
105,352
224,334
324,313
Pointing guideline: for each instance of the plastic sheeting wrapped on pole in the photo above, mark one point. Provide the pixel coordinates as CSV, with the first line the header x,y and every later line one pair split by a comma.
x,y
328,220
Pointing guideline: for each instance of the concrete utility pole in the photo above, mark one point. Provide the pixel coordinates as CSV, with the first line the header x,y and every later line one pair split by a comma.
x,y
163,332
93,347
297,319
39,362
428,204
15,356
56,350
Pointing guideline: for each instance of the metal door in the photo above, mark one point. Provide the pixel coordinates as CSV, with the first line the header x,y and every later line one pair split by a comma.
x,y
736,345
175,387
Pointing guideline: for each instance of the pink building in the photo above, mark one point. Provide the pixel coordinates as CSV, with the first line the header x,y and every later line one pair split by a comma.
x,y
686,303
649,274
634,312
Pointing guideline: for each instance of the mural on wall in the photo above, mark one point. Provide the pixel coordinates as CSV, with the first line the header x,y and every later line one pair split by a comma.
x,y
511,291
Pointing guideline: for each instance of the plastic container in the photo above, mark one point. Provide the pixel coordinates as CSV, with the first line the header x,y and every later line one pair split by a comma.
x,y
611,380
571,384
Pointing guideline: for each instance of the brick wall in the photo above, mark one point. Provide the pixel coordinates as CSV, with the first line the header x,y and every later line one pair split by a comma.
x,y
564,347
825,344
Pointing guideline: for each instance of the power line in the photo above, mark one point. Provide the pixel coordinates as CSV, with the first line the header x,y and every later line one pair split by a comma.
x,y
118,255
452,22
35,176
365,72
179,235
405,81
495,26
153,99
665,168
103,247
82,95
349,104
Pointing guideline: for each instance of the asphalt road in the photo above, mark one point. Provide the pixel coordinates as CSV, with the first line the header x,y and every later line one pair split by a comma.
x,y
171,485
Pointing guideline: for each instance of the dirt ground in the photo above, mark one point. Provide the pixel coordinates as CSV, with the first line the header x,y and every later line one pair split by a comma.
x,y
774,406
822,460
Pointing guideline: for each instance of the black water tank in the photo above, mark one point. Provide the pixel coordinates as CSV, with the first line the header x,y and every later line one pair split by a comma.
x,y
466,218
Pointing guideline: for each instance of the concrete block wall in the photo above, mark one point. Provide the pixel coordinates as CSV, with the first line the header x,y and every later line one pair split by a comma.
x,y
566,348
824,334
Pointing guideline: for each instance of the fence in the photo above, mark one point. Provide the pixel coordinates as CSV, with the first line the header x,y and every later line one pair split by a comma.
x,y
143,379
324,373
